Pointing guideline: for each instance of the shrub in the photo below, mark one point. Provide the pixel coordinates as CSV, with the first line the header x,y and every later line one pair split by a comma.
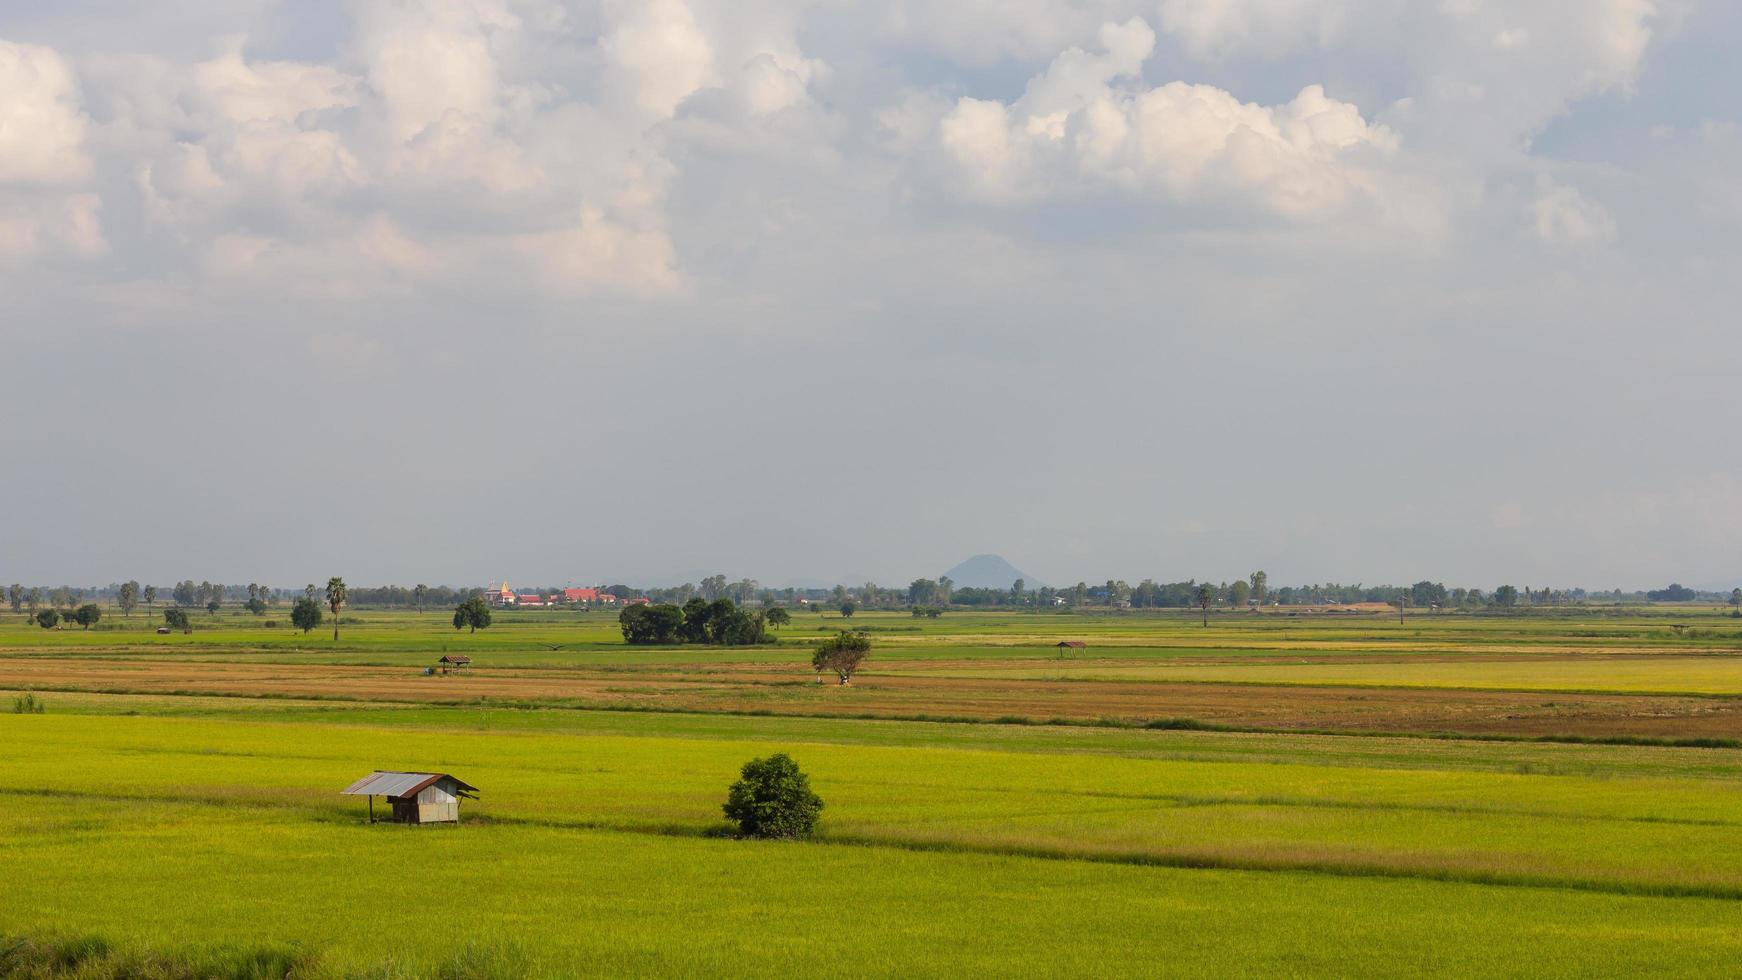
x,y
773,799
28,704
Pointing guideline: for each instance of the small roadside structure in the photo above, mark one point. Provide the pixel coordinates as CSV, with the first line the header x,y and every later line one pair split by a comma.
x,y
415,797
453,661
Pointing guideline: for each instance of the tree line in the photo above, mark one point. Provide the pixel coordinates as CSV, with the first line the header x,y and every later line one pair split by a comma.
x,y
721,622
923,594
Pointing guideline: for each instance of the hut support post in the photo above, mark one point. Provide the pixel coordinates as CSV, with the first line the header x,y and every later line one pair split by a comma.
x,y
371,808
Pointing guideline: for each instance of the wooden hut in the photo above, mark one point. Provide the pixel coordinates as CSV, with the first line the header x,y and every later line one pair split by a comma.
x,y
453,661
415,797
1072,645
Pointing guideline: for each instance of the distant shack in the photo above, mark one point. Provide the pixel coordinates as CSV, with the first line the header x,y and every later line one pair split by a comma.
x,y
453,661
415,797
1068,645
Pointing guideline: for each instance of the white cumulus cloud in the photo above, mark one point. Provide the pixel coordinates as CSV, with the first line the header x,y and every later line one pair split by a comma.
x,y
1088,124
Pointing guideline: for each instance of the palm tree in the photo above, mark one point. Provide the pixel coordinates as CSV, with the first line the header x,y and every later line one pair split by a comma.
x,y
420,592
335,601
1206,595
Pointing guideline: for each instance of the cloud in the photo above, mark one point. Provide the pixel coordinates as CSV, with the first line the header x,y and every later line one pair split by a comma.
x,y
44,160
594,250
1487,70
1564,216
1087,125
36,224
42,125
662,49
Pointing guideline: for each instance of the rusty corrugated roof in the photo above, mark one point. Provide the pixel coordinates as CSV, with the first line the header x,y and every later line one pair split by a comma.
x,y
400,784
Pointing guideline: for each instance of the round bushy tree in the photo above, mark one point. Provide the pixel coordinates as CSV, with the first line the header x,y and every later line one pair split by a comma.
x,y
306,614
773,799
842,654
474,612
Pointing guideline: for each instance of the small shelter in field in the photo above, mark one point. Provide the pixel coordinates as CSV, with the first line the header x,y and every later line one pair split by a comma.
x,y
1070,646
453,661
415,797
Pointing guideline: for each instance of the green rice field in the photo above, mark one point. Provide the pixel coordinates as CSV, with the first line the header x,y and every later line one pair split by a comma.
x,y
175,809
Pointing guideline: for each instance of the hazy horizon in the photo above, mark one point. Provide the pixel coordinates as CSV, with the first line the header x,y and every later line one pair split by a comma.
x,y
458,290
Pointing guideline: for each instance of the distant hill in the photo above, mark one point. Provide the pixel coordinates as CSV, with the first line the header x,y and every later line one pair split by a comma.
x,y
988,572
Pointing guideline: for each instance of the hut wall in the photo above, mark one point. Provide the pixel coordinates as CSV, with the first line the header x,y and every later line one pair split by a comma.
x,y
438,804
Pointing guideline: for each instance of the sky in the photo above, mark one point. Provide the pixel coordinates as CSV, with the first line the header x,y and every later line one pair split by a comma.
x,y
817,290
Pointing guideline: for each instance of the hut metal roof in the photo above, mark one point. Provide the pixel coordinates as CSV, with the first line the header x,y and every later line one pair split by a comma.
x,y
400,784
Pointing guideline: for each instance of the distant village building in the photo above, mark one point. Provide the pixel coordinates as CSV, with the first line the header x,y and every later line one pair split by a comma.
x,y
505,597
415,797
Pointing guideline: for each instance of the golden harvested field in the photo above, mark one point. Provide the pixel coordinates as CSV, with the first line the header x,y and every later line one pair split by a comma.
x,y
982,690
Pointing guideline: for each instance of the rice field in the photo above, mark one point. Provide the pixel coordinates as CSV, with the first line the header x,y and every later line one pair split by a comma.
x,y
176,808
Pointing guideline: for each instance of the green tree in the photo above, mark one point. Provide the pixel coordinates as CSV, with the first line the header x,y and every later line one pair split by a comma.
x,y
645,624
772,799
848,609
1260,583
336,596
87,615
15,595
1206,595
48,619
421,592
922,591
474,612
150,594
1238,593
1506,597
177,618
212,606
33,599
842,654
306,614
128,598
1735,599
779,617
